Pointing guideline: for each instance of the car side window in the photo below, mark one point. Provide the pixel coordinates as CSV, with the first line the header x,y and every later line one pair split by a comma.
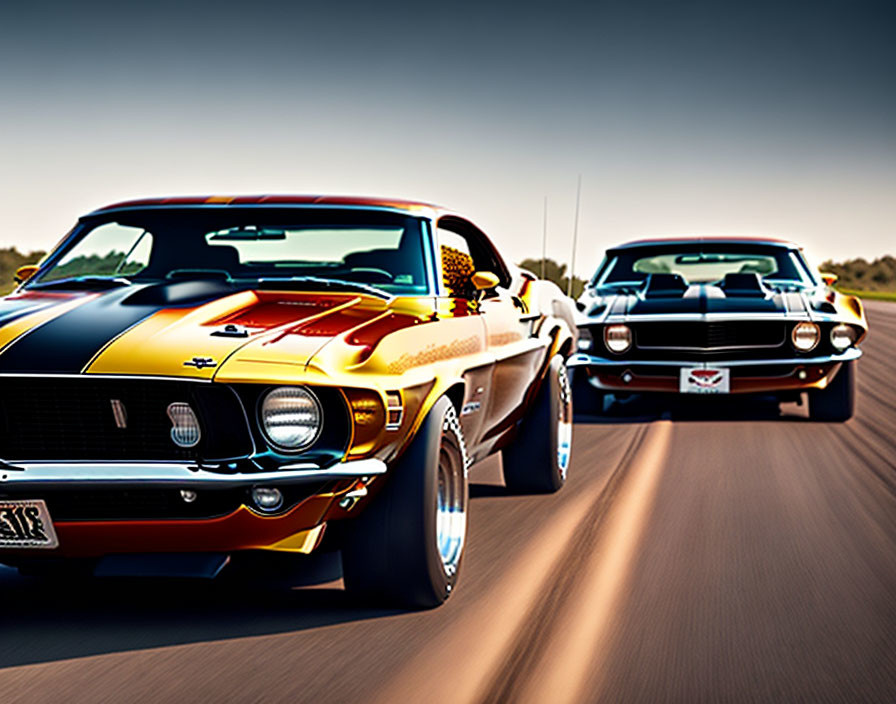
x,y
457,264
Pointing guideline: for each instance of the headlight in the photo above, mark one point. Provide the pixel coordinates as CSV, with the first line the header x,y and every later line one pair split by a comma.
x,y
618,338
291,418
585,341
842,336
805,336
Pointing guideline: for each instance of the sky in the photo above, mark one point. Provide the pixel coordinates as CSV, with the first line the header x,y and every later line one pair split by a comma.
x,y
692,117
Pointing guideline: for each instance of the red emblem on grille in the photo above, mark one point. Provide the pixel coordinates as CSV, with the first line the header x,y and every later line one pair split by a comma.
x,y
706,378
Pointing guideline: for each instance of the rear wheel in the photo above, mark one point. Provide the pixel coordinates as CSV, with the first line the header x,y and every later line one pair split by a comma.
x,y
537,461
836,402
406,548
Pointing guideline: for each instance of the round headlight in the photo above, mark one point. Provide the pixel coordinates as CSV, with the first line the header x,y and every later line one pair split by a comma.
x,y
842,336
291,418
618,338
805,336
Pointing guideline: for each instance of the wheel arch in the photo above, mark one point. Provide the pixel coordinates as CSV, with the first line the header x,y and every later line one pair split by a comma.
x,y
456,393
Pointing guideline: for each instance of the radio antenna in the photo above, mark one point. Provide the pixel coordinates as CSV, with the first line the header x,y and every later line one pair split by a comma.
x,y
575,237
544,239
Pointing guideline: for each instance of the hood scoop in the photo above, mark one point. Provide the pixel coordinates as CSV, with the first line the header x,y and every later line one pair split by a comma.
x,y
665,286
748,285
178,292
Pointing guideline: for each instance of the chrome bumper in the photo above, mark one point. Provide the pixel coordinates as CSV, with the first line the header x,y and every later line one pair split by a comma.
x,y
166,474
586,360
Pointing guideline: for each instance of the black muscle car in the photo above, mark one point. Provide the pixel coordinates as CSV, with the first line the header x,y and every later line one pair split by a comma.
x,y
717,316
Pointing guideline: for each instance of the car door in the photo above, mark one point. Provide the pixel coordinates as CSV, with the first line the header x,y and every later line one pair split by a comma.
x,y
518,357
517,354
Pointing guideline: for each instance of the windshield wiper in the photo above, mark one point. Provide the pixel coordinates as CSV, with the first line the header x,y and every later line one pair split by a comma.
x,y
331,283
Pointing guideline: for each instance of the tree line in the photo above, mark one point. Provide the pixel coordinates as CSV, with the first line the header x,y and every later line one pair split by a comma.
x,y
556,272
10,260
862,275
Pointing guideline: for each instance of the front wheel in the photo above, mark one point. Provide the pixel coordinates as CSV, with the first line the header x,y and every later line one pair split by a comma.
x,y
405,550
537,460
835,403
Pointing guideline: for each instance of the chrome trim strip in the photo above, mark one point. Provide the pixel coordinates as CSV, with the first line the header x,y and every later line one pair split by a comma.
x,y
608,318
587,360
88,375
73,474
709,349
427,232
414,210
717,348
703,317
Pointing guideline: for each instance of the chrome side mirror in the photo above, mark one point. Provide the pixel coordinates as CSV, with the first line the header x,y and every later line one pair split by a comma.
x,y
484,280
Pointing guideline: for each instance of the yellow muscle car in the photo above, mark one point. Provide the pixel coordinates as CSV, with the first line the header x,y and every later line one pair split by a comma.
x,y
202,377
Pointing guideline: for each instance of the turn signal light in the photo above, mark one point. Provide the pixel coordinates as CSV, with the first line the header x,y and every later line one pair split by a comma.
x,y
394,410
585,341
185,430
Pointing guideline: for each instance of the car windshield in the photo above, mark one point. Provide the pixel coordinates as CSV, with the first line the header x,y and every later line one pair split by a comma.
x,y
705,264
375,249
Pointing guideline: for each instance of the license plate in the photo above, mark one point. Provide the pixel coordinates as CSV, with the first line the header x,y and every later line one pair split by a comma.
x,y
700,380
26,524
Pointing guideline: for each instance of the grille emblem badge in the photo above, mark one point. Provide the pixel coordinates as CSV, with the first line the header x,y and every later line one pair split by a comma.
x,y
119,413
201,362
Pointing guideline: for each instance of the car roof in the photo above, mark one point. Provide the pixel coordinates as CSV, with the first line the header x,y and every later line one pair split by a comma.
x,y
276,199
706,240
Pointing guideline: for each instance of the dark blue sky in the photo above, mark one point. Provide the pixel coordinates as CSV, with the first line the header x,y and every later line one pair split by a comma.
x,y
709,117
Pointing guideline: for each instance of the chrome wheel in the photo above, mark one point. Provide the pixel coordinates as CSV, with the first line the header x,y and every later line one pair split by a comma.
x,y
451,508
564,422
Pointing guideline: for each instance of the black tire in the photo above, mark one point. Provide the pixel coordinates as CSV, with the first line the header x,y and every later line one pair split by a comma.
x,y
588,401
392,554
537,461
836,403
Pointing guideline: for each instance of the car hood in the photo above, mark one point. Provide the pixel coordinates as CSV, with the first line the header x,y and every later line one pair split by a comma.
x,y
184,329
700,300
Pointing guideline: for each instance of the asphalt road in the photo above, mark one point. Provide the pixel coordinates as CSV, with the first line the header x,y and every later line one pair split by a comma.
x,y
697,554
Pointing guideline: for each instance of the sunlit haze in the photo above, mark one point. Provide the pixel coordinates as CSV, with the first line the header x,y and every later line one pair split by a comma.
x,y
706,118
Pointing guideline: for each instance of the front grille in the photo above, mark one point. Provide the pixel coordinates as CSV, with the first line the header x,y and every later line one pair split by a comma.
x,y
689,335
52,418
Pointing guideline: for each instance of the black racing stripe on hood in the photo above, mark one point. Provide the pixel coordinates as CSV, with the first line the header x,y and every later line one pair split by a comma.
x,y
64,345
